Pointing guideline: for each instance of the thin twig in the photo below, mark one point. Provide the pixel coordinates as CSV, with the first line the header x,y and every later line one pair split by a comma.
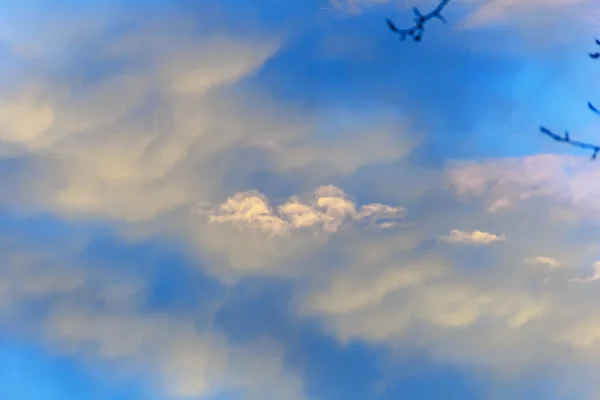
x,y
416,31
566,138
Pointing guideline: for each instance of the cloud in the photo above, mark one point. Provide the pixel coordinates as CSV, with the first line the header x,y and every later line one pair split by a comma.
x,y
595,276
189,363
544,261
475,237
354,7
247,236
109,160
168,120
326,209
481,14
165,127
561,182
82,308
350,294
480,307
495,11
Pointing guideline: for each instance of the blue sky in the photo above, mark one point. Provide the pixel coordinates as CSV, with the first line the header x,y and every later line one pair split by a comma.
x,y
227,200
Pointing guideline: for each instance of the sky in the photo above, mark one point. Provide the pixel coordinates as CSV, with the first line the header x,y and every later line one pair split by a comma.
x,y
226,200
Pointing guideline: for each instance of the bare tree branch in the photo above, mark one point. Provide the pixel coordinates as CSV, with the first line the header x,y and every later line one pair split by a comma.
x,y
566,138
416,31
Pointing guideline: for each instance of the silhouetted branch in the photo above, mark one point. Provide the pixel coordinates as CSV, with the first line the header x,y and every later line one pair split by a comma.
x,y
566,138
595,55
416,31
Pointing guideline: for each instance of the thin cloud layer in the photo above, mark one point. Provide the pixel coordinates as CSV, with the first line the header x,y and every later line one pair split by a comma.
x,y
498,314
86,310
560,182
496,11
543,261
132,128
595,274
355,6
156,136
190,363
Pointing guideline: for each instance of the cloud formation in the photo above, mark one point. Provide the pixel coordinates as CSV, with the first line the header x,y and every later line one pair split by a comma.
x,y
495,11
325,209
189,363
354,7
543,261
157,136
560,181
91,311
475,237
168,118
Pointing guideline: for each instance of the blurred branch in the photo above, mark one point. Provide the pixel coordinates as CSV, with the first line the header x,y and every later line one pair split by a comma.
x,y
416,31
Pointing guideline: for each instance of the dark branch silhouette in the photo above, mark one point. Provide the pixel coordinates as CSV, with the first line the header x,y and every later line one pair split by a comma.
x,y
597,54
403,32
566,138
594,56
416,31
594,109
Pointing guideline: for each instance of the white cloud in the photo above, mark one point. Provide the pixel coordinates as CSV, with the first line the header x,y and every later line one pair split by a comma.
x,y
188,362
326,209
49,294
474,237
536,14
561,182
156,136
355,6
145,144
349,294
494,11
485,309
543,260
595,276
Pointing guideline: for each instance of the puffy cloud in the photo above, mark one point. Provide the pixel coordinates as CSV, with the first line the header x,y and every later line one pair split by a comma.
x,y
327,209
246,235
475,237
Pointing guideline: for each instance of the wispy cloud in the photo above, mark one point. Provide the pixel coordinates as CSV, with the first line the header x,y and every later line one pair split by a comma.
x,y
543,261
593,277
131,124
85,309
560,181
474,237
494,11
355,6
